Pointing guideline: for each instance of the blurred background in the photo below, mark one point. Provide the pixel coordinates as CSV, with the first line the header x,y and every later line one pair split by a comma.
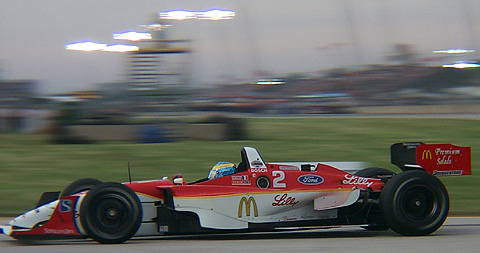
x,y
189,74
112,62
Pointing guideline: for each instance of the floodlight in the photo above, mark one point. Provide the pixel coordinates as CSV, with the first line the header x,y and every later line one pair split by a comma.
x,y
179,14
87,46
215,14
155,27
454,51
121,48
462,65
132,36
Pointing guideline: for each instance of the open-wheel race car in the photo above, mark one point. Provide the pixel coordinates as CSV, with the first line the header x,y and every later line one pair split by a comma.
x,y
255,196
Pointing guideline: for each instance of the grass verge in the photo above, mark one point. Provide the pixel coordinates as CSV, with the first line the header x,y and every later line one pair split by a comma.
x,y
30,165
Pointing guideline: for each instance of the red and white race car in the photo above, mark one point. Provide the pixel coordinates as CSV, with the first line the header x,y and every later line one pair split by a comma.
x,y
255,196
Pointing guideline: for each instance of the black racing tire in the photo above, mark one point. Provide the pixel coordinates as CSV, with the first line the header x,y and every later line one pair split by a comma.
x,y
414,203
375,172
110,213
80,185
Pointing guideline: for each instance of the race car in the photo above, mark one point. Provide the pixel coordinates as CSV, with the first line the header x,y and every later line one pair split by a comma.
x,y
255,196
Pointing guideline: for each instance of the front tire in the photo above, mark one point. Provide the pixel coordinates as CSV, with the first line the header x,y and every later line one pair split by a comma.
x,y
414,203
111,213
80,185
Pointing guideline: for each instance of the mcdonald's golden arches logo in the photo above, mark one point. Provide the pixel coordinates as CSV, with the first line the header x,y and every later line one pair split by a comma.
x,y
427,155
248,202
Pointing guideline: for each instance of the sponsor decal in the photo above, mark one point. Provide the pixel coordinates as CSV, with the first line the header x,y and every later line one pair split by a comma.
x,y
427,155
256,163
444,155
258,170
65,205
65,231
240,180
310,179
444,160
285,167
351,179
447,173
242,177
440,151
284,200
247,203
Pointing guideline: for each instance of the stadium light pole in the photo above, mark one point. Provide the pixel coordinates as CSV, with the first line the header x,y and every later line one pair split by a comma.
x,y
134,36
87,46
91,46
221,15
213,14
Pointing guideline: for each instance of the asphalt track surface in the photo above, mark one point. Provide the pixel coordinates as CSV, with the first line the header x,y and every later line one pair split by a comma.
x,y
458,234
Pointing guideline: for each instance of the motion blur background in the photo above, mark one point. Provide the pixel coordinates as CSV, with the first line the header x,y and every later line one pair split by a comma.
x,y
263,57
204,78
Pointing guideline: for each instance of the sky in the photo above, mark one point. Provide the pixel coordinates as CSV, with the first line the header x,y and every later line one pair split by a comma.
x,y
276,37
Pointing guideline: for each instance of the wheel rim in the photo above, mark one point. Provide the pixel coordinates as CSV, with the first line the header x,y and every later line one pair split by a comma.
x,y
112,214
263,182
419,204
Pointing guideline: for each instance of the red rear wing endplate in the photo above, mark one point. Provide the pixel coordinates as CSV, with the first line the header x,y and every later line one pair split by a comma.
x,y
444,159
436,159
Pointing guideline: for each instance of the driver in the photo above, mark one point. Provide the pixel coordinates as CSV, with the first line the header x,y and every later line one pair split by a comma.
x,y
222,169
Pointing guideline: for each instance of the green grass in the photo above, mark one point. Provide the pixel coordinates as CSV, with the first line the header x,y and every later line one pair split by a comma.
x,y
30,165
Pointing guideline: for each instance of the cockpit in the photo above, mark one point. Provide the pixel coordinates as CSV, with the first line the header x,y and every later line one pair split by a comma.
x,y
250,159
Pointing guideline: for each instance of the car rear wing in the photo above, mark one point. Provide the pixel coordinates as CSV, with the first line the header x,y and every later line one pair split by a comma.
x,y
436,159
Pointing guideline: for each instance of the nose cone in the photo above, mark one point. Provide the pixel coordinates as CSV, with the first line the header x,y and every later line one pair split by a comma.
x,y
6,230
34,217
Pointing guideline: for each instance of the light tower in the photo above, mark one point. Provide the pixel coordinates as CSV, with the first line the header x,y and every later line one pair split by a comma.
x,y
157,71
158,67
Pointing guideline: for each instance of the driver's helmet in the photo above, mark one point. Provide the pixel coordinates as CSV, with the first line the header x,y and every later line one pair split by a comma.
x,y
221,169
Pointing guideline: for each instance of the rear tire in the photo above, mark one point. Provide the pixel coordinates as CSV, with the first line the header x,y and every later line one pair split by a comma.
x,y
379,223
80,185
111,213
414,203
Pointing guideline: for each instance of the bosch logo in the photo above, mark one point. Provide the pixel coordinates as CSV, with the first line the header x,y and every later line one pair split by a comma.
x,y
310,179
